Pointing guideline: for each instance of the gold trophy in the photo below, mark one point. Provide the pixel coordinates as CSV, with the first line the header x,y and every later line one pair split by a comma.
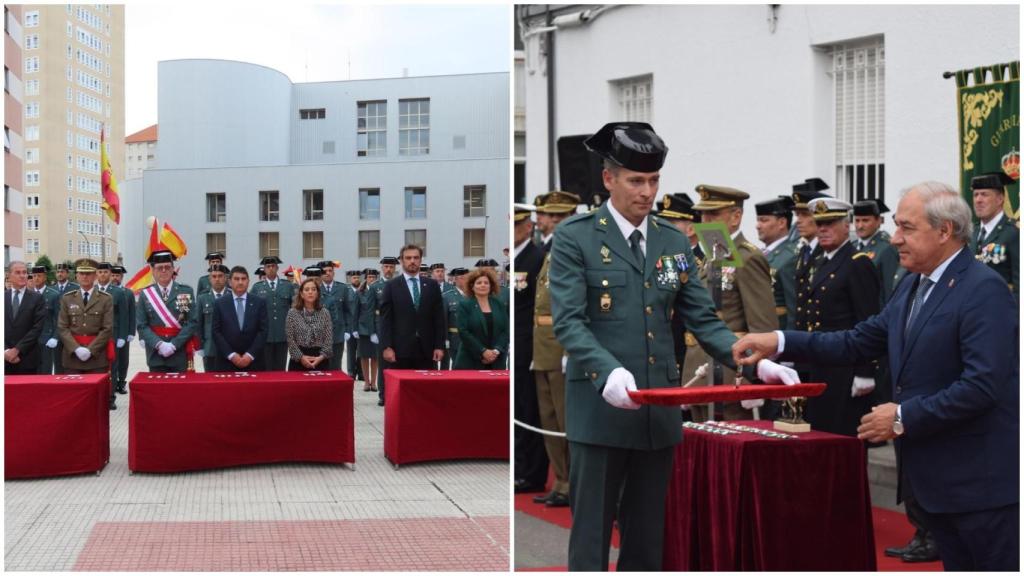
x,y
792,419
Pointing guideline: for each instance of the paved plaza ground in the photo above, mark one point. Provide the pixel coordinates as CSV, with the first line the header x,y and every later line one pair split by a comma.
x,y
433,516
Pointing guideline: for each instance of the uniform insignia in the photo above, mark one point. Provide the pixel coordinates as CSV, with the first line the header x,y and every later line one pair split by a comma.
x,y
606,302
605,258
521,281
603,221
683,265
728,277
870,255
952,281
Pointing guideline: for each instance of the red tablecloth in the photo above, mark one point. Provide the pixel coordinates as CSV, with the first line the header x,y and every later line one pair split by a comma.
x,y
445,415
746,502
201,420
56,425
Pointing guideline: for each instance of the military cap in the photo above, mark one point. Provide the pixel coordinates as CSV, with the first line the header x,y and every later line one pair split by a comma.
x,y
828,208
118,269
808,190
717,197
260,271
325,264
39,270
353,273
219,268
460,271
677,206
437,266
312,272
780,206
523,211
556,202
161,256
214,255
63,266
869,208
990,181
424,268
632,145
269,260
104,266
370,272
87,265
486,262
389,260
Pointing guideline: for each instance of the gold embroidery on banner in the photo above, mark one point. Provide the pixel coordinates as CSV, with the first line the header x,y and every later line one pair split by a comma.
x,y
977,107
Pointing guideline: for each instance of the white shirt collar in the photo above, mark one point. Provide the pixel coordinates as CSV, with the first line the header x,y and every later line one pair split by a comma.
x,y
803,242
236,296
521,247
217,294
168,289
936,274
408,277
991,224
829,255
89,292
545,239
775,244
626,227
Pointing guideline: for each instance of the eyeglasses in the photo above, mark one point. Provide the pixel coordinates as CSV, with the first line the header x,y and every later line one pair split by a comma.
x,y
163,267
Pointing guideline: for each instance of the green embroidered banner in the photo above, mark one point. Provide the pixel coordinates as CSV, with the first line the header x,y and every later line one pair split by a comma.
x,y
989,123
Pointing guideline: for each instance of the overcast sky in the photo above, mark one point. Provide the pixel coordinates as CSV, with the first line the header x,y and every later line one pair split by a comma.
x,y
311,42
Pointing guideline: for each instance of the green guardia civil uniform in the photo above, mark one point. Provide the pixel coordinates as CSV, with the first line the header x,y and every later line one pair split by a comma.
x,y
451,307
51,301
279,298
885,258
374,291
121,328
180,296
1000,250
782,267
338,299
203,285
207,300
123,352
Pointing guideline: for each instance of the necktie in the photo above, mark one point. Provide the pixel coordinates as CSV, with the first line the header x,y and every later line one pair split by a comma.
x,y
634,245
15,303
272,286
85,298
240,311
981,236
414,283
915,307
805,254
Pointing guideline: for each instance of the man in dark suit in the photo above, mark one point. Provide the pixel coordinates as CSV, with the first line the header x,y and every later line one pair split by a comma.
x,y
951,335
24,316
240,327
412,320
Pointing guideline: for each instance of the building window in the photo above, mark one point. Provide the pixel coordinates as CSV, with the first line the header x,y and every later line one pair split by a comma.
x,y
217,242
32,110
858,76
371,128
32,246
636,98
414,127
32,133
71,227
312,204
31,155
270,244
32,19
32,64
417,238
473,243
32,42
32,223
32,201
32,178
312,244
32,88
369,203
415,202
269,209
216,207
474,201
369,243
313,113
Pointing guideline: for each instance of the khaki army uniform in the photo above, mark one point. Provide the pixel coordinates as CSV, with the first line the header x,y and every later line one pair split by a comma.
x,y
547,372
95,321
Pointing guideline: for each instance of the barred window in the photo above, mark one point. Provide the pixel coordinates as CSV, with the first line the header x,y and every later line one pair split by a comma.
x,y
858,76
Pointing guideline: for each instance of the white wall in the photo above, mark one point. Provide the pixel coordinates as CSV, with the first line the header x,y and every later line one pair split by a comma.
x,y
743,107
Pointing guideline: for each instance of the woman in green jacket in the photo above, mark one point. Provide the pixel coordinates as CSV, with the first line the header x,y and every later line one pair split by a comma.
x,y
483,325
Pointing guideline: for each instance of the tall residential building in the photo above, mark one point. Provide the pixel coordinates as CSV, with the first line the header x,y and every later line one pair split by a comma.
x,y
14,202
73,71
140,152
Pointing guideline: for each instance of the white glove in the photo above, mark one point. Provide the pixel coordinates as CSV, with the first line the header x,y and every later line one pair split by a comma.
x,y
199,353
51,343
751,404
374,339
616,388
347,336
83,353
355,334
129,337
773,373
565,362
142,343
861,386
685,407
165,349
120,342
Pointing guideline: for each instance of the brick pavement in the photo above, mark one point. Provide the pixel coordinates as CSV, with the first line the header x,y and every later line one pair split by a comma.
x,y
432,516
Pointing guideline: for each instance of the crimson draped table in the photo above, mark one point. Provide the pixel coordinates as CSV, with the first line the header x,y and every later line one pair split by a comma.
x,y
445,415
747,502
202,420
56,425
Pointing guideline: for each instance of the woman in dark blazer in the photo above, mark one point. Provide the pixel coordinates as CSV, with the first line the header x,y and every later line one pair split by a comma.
x,y
483,325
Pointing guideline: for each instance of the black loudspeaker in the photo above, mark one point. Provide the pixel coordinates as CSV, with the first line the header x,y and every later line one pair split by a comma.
x,y
579,171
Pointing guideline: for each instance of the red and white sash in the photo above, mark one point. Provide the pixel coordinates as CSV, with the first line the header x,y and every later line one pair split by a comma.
x,y
161,308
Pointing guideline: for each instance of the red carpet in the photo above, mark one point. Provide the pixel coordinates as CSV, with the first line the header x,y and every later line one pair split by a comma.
x,y
891,529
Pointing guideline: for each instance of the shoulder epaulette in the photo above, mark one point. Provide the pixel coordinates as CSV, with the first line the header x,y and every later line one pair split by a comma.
x,y
859,254
750,246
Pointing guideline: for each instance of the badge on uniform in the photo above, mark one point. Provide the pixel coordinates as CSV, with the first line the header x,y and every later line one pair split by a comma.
x,y
605,255
606,302
521,282
666,271
683,265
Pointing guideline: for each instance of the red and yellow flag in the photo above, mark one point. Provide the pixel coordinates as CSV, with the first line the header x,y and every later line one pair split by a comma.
x,y
141,279
173,242
111,200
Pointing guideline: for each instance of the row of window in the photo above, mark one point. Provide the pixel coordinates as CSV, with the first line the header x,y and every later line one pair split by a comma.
x,y
474,204
372,124
368,242
85,185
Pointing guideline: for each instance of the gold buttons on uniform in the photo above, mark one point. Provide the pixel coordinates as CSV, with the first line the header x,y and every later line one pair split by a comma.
x,y
647,284
650,360
593,375
650,335
648,310
604,282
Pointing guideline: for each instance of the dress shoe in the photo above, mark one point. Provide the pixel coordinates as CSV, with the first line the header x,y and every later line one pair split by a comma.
x,y
122,388
899,552
926,552
543,498
113,404
523,486
366,387
380,402
557,500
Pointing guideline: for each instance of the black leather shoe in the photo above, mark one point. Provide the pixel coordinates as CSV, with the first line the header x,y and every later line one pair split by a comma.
x,y
522,486
915,542
380,402
557,501
113,404
926,552
543,499
122,388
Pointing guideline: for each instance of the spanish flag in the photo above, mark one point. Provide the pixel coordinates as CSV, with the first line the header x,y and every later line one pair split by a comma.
x,y
173,242
111,200
141,279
